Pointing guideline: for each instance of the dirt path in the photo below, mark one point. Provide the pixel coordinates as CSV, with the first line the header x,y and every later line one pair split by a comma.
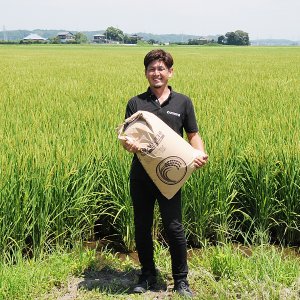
x,y
109,281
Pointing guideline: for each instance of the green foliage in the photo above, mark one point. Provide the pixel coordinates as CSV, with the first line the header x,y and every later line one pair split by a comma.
x,y
198,41
3,42
142,43
81,38
114,34
131,39
55,40
221,39
152,41
238,38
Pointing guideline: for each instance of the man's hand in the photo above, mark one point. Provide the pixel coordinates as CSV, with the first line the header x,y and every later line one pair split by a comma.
x,y
130,145
196,142
200,160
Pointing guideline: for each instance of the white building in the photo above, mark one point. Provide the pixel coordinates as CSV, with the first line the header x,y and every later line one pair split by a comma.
x,y
34,38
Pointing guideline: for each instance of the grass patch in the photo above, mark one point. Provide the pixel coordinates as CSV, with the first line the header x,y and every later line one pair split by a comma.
x,y
219,272
230,272
29,279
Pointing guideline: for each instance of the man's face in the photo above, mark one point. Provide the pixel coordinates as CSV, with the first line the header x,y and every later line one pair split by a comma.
x,y
158,74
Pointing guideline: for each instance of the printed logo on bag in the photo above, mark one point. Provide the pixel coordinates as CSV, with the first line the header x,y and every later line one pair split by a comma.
x,y
171,170
153,144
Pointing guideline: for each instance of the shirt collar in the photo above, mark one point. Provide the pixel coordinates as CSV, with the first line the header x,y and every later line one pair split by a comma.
x,y
153,97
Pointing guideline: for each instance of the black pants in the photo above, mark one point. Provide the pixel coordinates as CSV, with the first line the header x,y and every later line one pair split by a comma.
x,y
144,194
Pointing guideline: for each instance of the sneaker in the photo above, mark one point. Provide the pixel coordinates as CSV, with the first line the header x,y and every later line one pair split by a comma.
x,y
183,289
146,282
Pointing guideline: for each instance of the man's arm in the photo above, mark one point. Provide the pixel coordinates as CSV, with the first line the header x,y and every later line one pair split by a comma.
x,y
197,143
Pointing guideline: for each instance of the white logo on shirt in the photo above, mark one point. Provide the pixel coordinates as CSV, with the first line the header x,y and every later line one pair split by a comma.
x,y
173,113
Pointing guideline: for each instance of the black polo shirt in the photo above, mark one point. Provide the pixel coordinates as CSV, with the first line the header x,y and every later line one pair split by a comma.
x,y
177,112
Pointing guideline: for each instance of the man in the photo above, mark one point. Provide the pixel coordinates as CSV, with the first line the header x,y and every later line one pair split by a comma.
x,y
177,111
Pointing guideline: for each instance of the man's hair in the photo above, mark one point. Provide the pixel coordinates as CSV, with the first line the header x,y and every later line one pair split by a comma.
x,y
158,54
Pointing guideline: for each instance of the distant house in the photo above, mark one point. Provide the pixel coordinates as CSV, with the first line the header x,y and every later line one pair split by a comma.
x,y
198,41
34,38
135,36
66,37
99,39
132,39
202,41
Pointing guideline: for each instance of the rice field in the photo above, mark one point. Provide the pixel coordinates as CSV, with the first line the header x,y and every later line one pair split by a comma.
x,y
62,169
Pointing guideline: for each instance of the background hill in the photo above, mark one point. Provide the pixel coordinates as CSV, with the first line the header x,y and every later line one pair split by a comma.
x,y
13,35
173,38
274,42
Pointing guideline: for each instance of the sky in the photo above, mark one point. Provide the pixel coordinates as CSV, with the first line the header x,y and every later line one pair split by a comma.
x,y
260,18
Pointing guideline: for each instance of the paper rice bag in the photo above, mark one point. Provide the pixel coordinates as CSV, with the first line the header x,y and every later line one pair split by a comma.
x,y
165,155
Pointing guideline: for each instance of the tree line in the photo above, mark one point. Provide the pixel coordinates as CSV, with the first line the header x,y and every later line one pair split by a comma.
x,y
238,37
113,35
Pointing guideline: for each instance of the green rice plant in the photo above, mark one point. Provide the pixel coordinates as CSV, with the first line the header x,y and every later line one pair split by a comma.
x,y
51,211
224,186
287,176
62,168
198,208
118,204
209,210
256,187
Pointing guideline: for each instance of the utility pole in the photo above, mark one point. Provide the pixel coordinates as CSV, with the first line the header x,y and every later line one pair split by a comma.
x,y
4,34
